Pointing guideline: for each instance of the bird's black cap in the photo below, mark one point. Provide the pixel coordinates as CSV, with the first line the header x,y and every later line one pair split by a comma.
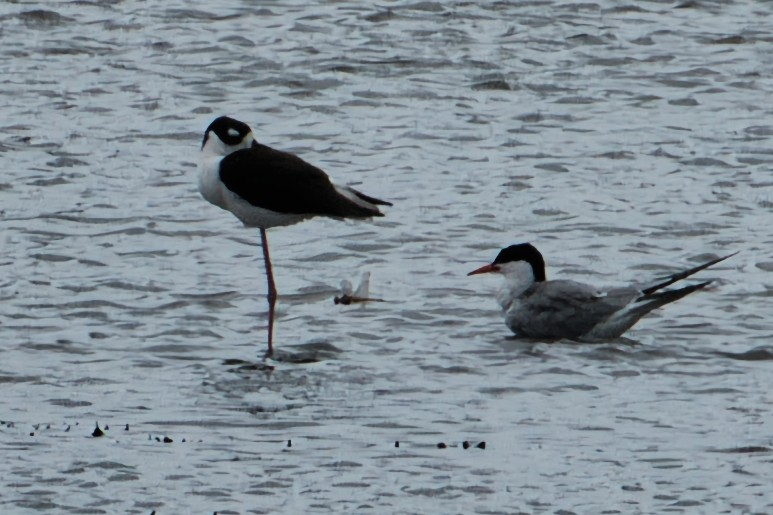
x,y
523,252
230,131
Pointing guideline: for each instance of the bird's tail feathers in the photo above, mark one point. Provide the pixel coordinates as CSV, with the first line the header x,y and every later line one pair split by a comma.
x,y
626,318
369,199
364,205
682,275
648,302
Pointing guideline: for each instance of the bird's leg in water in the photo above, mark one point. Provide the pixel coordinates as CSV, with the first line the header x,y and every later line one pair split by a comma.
x,y
271,293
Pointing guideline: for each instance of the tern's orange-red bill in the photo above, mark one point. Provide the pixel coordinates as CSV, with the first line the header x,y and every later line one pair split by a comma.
x,y
485,269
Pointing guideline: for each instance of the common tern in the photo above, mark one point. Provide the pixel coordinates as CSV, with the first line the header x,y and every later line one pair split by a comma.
x,y
563,309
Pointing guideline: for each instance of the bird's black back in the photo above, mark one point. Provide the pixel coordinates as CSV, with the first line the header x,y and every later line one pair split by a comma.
x,y
285,183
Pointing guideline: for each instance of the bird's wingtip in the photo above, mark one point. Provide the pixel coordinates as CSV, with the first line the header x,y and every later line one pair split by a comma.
x,y
367,198
729,255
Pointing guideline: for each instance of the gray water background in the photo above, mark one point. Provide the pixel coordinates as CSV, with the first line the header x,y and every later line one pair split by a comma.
x,y
625,140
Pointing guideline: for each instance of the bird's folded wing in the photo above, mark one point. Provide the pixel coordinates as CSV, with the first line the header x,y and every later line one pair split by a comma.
x,y
567,309
284,183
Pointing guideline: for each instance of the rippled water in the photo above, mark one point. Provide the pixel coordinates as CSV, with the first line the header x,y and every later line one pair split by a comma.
x,y
624,140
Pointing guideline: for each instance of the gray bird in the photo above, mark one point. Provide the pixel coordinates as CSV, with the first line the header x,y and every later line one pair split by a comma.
x,y
551,310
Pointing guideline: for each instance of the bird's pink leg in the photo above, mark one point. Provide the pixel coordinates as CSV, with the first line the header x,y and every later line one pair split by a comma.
x,y
271,293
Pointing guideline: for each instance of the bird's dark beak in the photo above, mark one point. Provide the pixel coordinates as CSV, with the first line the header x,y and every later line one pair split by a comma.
x,y
485,269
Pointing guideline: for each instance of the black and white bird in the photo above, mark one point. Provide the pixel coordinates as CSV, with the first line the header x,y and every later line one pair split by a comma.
x,y
552,310
264,188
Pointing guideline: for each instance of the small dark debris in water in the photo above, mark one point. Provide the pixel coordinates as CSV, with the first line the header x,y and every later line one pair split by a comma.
x,y
107,427
756,354
632,488
687,102
587,39
158,439
41,18
126,428
492,85
397,444
289,443
481,445
183,440
730,40
342,68
48,426
466,444
97,432
36,427
168,440
441,445
380,16
32,433
67,429
746,450
65,162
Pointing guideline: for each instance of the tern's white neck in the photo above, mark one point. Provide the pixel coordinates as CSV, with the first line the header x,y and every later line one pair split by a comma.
x,y
519,276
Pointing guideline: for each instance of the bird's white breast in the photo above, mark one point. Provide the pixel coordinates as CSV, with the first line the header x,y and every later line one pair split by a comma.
x,y
215,192
210,186
518,278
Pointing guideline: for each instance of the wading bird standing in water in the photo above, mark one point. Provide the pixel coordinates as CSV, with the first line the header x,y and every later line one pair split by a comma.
x,y
267,188
552,310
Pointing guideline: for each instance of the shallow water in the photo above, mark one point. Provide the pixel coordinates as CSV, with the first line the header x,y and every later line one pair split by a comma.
x,y
625,141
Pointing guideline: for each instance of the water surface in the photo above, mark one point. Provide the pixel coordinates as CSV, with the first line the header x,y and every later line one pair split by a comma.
x,y
625,141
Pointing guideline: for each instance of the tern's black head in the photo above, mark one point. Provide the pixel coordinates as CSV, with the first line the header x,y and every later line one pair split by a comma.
x,y
523,252
231,132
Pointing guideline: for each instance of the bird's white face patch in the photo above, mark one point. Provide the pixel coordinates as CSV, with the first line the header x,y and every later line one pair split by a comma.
x,y
233,133
215,146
